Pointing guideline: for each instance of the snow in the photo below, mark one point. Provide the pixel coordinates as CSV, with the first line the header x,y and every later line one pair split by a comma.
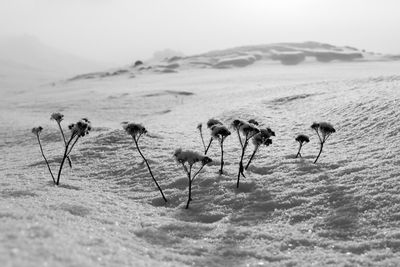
x,y
342,211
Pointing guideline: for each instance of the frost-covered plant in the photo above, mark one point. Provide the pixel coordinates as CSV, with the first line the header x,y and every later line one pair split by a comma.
x,y
261,138
36,131
245,131
220,132
210,124
136,131
324,130
302,139
58,117
187,159
78,130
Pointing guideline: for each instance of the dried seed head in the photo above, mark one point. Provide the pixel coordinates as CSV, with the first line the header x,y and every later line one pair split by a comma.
x,y
253,121
191,157
57,116
212,122
219,131
37,130
326,128
134,129
315,126
81,128
236,124
199,126
302,138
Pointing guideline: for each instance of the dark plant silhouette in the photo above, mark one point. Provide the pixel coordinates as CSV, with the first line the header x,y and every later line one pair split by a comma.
x,y
302,139
220,132
261,138
187,159
136,131
245,132
324,130
210,123
58,117
78,130
37,131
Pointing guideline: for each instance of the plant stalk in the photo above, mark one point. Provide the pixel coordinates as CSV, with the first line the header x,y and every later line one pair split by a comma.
x,y
251,158
45,159
148,167
298,153
65,143
222,156
320,151
63,160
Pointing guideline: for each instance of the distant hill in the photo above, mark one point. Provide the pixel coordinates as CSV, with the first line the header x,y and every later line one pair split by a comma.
x,y
27,58
243,56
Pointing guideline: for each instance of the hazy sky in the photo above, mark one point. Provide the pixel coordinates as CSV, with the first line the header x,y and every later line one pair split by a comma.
x,y
125,30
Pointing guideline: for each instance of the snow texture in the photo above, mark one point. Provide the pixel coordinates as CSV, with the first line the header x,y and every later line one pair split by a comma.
x,y
342,211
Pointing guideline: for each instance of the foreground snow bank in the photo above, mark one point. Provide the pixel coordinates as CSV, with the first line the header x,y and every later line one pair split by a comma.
x,y
287,212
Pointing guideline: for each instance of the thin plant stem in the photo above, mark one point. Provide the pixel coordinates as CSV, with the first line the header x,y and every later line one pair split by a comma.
x,y
298,153
202,140
148,167
65,142
72,146
208,147
195,175
63,159
240,172
320,151
222,156
45,159
190,189
251,158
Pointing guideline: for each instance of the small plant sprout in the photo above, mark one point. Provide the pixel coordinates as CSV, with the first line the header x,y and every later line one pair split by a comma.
x,y
302,139
36,131
248,131
58,117
78,130
324,130
220,132
136,131
187,159
261,138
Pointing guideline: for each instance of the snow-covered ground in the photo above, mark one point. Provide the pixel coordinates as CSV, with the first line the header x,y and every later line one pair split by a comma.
x,y
342,211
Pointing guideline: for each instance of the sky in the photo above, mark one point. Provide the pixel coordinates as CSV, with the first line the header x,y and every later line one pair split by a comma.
x,y
122,31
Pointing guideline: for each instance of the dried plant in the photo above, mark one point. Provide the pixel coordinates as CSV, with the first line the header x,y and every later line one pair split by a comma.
x,y
245,131
302,139
220,132
58,117
324,130
36,131
210,124
261,138
187,159
136,131
78,130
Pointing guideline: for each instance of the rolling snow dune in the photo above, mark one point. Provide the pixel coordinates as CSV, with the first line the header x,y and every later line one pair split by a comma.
x,y
342,211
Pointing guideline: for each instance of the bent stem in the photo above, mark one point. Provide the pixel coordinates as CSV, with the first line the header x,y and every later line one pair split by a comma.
x,y
64,157
208,147
320,151
45,159
148,167
298,153
251,158
202,140
65,143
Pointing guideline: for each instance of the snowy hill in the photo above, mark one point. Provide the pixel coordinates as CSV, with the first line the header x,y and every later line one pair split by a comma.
x,y
342,211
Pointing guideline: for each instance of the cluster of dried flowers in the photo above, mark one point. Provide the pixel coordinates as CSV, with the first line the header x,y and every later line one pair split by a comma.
x,y
77,130
246,131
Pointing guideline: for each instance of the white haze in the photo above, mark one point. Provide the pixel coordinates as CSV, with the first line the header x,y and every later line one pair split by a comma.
x,y
124,30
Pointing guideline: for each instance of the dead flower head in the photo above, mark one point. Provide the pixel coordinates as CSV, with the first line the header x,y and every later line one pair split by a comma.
x,y
37,130
57,116
191,157
212,122
81,128
219,131
134,129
